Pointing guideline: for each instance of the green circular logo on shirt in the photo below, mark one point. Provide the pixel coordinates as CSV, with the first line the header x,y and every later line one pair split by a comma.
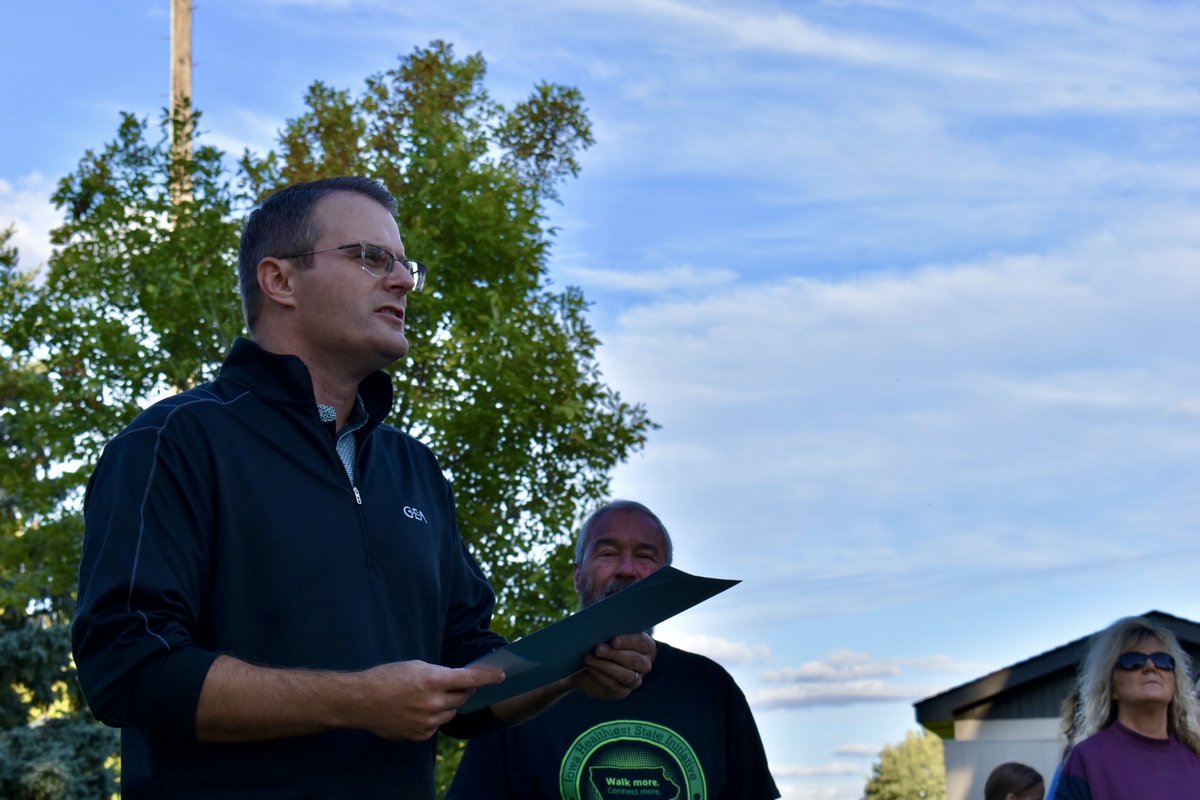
x,y
631,760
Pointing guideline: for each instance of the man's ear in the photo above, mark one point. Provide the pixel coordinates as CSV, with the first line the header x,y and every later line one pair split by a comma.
x,y
275,281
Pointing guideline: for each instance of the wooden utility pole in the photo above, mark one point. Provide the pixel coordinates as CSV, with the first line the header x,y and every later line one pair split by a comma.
x,y
181,95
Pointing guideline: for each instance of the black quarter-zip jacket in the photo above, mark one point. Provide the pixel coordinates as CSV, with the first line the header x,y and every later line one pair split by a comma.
x,y
222,521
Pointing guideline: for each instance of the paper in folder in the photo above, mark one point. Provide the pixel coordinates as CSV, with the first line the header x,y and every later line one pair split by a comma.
x,y
558,650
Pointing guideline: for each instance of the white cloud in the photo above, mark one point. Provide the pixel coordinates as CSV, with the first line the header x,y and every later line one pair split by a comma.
x,y
321,5
841,665
1136,389
679,280
892,131
806,792
839,694
776,31
858,749
1034,58
25,204
885,424
721,650
835,768
1035,310
847,676
944,664
255,131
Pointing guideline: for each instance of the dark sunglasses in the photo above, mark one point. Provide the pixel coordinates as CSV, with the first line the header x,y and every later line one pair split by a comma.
x,y
1132,661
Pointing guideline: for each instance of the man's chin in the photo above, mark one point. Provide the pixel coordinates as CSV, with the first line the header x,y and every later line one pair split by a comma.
x,y
394,350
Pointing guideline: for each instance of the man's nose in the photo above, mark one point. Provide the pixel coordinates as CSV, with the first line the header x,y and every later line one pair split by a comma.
x,y
399,280
626,565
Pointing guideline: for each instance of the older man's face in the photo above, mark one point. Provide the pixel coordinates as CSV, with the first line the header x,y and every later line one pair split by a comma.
x,y
623,547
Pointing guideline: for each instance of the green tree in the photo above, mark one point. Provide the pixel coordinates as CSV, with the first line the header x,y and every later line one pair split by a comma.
x,y
139,300
50,747
914,769
83,346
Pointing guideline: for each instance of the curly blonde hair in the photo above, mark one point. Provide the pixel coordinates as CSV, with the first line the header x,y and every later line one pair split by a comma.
x,y
1096,709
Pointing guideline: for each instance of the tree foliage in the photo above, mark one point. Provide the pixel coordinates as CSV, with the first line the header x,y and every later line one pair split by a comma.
x,y
139,300
50,748
914,769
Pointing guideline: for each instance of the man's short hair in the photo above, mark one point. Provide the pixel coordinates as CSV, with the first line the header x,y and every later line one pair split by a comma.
x,y
282,224
620,505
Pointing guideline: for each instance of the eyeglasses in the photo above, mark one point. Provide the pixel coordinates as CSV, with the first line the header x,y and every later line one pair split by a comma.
x,y
1132,661
377,261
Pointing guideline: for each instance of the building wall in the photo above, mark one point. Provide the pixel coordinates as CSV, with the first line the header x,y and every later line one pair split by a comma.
x,y
979,746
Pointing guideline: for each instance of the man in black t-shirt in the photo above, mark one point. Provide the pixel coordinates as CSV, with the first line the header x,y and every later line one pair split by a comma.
x,y
685,734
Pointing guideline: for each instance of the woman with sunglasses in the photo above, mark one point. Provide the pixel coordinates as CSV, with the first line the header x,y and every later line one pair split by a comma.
x,y
1137,736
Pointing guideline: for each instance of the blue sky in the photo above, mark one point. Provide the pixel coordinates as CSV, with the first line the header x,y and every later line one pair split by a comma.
x,y
910,286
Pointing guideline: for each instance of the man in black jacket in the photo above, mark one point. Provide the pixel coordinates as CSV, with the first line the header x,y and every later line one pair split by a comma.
x,y
274,599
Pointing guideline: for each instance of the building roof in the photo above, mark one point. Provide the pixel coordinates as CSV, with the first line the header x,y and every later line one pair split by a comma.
x,y
1034,687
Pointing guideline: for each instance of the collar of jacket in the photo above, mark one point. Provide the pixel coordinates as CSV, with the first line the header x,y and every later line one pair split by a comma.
x,y
285,379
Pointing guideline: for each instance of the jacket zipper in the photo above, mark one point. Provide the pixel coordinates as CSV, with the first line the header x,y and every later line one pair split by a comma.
x,y
362,527
368,556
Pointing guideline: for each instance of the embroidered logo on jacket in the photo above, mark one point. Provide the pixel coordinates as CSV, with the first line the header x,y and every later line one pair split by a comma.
x,y
415,513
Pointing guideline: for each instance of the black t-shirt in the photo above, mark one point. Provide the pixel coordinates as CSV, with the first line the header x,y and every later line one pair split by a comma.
x,y
685,734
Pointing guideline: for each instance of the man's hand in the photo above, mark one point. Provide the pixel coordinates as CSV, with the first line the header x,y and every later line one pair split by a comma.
x,y
406,700
411,700
614,669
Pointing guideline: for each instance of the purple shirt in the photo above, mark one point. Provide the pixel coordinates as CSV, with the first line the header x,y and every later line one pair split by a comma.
x,y
1118,764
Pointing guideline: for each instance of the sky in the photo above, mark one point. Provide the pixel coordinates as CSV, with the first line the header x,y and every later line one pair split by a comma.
x,y
910,287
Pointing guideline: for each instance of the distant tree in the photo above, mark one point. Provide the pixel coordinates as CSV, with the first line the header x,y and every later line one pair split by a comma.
x,y
139,300
914,769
